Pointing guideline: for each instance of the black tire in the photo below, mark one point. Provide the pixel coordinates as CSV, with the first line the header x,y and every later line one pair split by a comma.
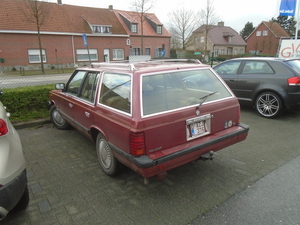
x,y
268,105
109,164
57,120
23,203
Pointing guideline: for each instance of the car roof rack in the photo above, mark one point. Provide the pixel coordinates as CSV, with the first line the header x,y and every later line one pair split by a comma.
x,y
133,65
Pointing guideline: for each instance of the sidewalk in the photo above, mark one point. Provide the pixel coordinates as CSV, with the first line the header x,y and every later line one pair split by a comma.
x,y
272,200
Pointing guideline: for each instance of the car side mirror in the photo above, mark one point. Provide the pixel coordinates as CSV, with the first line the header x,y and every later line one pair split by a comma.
x,y
60,86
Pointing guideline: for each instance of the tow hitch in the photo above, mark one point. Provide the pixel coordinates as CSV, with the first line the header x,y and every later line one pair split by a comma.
x,y
207,156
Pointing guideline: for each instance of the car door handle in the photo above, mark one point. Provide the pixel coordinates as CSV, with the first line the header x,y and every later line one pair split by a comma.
x,y
231,80
70,105
87,114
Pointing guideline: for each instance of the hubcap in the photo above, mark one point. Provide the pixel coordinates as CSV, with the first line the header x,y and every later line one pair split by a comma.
x,y
268,105
104,154
57,117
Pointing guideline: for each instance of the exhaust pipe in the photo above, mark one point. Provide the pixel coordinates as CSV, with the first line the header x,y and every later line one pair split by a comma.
x,y
3,213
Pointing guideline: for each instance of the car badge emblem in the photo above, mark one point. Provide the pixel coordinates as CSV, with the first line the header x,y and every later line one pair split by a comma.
x,y
197,112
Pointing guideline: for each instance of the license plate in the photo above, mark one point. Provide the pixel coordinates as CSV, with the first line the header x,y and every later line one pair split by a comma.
x,y
198,127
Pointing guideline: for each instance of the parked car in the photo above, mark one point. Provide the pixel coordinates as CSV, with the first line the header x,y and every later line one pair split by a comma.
x,y
144,116
13,181
269,84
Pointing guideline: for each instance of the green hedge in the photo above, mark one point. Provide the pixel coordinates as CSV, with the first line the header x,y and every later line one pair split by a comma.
x,y
27,103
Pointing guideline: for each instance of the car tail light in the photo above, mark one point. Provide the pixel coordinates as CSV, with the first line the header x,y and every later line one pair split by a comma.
x,y
3,127
294,81
137,144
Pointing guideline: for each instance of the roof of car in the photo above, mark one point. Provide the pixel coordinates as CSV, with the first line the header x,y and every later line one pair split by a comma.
x,y
264,58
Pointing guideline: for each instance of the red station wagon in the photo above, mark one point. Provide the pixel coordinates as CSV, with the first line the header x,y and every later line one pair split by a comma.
x,y
150,116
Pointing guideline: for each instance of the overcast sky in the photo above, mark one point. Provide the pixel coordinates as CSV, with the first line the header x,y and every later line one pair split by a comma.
x,y
234,13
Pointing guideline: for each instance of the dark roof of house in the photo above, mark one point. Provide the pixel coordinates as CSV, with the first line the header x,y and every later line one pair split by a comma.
x,y
134,17
60,18
219,34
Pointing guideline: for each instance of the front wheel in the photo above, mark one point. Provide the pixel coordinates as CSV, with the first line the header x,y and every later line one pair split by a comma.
x,y
57,119
268,105
110,165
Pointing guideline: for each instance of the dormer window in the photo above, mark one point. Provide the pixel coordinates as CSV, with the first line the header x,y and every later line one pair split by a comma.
x,y
101,29
159,29
134,28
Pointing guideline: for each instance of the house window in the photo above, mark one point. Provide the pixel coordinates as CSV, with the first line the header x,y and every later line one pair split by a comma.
x,y
159,29
265,33
135,51
134,28
100,29
222,51
229,39
147,51
216,52
83,54
258,33
235,51
34,55
241,51
118,54
201,39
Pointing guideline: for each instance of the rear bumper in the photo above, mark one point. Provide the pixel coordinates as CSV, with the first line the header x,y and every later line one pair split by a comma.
x,y
148,167
11,193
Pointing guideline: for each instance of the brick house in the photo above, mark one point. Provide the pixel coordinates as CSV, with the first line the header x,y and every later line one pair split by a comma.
x,y
222,40
265,38
109,35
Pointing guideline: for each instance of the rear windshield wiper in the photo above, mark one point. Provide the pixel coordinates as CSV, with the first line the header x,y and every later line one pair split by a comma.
x,y
203,99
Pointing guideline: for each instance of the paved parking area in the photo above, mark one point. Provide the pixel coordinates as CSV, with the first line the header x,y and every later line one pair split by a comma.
x,y
67,185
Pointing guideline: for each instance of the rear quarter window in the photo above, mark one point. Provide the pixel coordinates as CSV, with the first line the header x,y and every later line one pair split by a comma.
x,y
169,91
116,91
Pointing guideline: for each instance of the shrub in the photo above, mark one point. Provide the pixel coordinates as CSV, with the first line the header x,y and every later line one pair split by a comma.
x,y
27,103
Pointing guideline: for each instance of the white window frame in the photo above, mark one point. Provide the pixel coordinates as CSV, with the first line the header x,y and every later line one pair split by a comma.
x,y
35,54
118,54
159,29
134,28
93,55
202,39
258,33
265,33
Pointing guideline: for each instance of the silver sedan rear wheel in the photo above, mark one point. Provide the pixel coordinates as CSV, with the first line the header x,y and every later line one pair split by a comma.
x,y
268,104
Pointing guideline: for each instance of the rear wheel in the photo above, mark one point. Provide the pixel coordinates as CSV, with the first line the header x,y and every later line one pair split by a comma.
x,y
110,165
268,104
57,119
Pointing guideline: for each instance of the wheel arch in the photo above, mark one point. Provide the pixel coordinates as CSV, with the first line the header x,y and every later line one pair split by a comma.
x,y
278,93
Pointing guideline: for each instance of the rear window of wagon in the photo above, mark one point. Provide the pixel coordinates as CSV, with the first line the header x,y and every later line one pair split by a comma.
x,y
169,91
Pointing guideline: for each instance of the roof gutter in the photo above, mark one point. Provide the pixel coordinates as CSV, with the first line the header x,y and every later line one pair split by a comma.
x,y
62,33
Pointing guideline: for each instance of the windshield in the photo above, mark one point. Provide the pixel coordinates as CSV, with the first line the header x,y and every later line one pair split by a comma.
x,y
168,91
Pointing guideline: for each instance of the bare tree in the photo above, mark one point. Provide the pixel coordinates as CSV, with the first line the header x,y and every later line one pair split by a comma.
x,y
36,12
208,18
182,24
142,7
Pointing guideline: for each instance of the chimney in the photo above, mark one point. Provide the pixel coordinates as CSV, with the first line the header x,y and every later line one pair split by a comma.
x,y
59,2
110,7
221,24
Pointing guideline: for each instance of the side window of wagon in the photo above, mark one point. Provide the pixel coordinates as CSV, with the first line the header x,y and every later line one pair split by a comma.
x,y
74,84
116,91
89,86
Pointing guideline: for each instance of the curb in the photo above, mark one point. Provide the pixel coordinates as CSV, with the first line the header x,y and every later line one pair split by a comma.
x,y
21,125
